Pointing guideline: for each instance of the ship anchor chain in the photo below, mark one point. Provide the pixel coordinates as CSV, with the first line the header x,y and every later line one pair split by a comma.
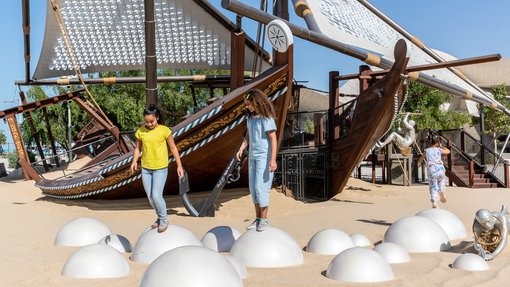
x,y
207,207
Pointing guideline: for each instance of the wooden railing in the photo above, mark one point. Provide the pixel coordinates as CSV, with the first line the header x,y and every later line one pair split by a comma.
x,y
341,119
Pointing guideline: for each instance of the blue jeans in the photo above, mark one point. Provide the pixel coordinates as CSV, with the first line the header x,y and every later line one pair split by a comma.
x,y
154,183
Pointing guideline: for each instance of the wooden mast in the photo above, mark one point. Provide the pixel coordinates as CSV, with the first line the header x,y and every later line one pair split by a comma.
x,y
151,86
25,6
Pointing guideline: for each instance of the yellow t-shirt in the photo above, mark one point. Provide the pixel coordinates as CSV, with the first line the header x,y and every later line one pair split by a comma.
x,y
154,146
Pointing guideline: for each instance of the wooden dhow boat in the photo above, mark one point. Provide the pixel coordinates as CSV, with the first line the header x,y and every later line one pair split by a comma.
x,y
206,140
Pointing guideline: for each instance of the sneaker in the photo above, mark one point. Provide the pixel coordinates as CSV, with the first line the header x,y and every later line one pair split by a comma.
x,y
442,196
254,224
163,225
155,224
263,224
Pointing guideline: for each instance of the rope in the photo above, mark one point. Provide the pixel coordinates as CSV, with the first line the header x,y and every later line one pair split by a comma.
x,y
263,7
72,55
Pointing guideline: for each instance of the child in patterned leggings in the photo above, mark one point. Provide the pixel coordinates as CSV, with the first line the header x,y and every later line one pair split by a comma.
x,y
436,170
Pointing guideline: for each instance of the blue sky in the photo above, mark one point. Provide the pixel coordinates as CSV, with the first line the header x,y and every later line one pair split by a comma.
x,y
463,28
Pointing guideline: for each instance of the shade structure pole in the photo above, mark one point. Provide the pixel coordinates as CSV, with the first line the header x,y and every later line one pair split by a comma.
x,y
129,80
349,50
25,7
151,88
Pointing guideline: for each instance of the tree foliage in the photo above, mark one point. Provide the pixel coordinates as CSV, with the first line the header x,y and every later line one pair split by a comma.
x,y
497,122
123,104
3,138
57,115
428,102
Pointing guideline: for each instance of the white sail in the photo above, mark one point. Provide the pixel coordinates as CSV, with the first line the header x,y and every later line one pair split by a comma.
x,y
350,22
108,35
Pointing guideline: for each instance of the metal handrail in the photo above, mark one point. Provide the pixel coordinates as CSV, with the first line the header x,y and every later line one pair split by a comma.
x,y
66,152
482,145
345,104
466,156
90,166
462,152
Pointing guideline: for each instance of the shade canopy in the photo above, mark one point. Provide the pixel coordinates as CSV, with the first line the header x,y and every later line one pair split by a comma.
x,y
108,35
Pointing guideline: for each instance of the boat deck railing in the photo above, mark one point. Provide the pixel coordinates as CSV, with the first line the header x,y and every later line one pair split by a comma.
x,y
57,158
305,129
342,118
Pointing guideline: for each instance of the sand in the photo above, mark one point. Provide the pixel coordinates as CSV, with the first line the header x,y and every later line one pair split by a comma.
x,y
30,223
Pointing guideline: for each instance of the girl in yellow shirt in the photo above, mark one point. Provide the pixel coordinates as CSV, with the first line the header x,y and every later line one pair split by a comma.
x,y
153,139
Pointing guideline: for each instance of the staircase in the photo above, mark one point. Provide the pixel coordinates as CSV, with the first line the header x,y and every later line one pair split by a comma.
x,y
480,178
479,168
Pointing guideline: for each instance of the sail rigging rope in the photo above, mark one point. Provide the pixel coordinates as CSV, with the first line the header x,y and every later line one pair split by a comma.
x,y
72,55
261,30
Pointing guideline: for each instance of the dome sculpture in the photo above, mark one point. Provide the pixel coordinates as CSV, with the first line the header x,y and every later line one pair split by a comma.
x,y
360,240
220,238
271,248
392,253
417,234
96,261
118,242
191,266
329,242
239,267
448,221
359,265
470,262
152,244
81,232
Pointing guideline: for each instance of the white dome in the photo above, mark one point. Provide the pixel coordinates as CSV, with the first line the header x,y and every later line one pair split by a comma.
x,y
152,244
118,242
81,231
359,265
220,238
271,248
392,253
191,266
96,261
329,242
417,234
470,262
360,240
238,266
448,221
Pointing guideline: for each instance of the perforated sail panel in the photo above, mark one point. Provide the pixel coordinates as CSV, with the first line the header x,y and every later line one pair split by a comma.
x,y
350,22
108,35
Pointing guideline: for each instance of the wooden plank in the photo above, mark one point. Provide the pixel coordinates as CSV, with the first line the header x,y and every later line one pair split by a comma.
x,y
28,171
238,44
50,136
334,130
282,103
42,103
433,66
33,131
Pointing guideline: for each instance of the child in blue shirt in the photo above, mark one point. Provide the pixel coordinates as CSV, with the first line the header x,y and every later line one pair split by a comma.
x,y
261,137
